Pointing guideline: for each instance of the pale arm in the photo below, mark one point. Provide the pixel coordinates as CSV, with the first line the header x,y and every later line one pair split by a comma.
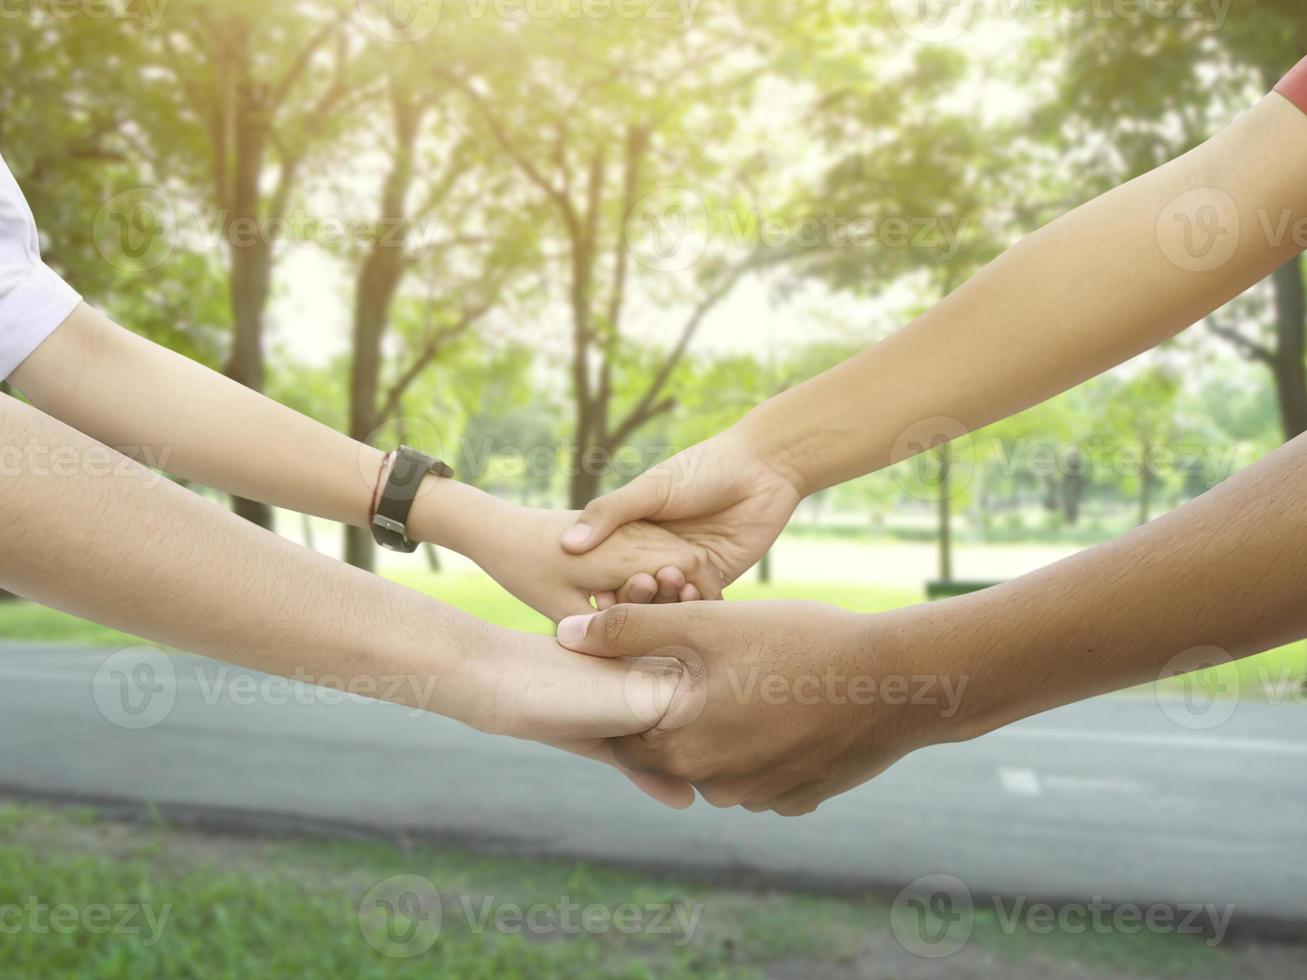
x,y
85,530
178,416
1096,287
1107,281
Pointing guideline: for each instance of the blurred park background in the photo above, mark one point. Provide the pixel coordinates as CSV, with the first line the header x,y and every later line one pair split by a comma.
x,y
555,241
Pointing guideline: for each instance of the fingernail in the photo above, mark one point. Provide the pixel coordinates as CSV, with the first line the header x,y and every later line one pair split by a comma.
x,y
572,630
576,536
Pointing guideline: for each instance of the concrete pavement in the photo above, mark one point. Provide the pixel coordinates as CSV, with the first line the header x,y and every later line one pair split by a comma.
x,y
1119,797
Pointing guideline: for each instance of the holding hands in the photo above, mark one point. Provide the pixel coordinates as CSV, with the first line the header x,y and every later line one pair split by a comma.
x,y
722,496
781,705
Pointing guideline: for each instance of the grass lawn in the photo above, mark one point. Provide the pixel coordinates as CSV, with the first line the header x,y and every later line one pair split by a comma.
x,y
1277,675
182,904
472,592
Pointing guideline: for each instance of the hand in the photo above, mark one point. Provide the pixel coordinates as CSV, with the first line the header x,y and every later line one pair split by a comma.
x,y
647,563
533,689
782,704
518,547
720,496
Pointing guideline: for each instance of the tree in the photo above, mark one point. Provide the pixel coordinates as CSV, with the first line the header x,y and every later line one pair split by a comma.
x,y
249,93
926,179
606,121
72,143
467,234
1196,70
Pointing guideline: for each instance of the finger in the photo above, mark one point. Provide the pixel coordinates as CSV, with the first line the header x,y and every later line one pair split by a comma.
x,y
727,793
642,497
639,588
605,600
708,581
625,631
690,593
799,802
571,604
670,581
675,793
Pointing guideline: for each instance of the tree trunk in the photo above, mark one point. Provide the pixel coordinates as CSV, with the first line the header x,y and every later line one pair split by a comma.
x,y
1145,486
1073,486
251,275
586,483
365,375
248,298
945,517
764,568
1289,368
374,295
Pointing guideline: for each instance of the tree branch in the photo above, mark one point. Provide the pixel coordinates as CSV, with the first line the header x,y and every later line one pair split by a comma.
x,y
436,342
645,408
301,63
500,134
1251,349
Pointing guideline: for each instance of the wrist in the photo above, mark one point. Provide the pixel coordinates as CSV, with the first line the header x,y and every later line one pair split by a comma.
x,y
976,658
763,441
454,515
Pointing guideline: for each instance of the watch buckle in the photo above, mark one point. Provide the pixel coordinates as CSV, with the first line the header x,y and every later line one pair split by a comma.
x,y
393,526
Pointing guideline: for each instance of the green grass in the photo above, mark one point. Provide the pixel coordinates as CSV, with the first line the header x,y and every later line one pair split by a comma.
x,y
471,592
26,622
239,907
1283,670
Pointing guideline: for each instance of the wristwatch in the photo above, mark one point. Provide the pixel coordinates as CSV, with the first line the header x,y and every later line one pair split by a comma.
x,y
408,468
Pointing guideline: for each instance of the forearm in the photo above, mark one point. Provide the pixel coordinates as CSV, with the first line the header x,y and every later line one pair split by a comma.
x,y
1091,290
174,414
99,536
1223,571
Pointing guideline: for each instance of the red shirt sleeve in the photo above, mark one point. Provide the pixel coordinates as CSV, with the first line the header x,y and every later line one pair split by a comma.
x,y
1294,86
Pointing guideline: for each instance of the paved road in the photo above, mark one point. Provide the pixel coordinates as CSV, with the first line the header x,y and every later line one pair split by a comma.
x,y
1109,798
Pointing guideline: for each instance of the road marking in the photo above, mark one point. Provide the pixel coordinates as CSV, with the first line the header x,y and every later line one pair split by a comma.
x,y
1020,782
1169,741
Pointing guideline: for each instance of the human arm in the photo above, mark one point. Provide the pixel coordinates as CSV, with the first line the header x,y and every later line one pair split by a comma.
x,y
786,704
178,416
1099,285
88,531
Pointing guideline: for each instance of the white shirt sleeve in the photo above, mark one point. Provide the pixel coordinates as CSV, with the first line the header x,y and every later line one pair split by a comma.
x,y
34,301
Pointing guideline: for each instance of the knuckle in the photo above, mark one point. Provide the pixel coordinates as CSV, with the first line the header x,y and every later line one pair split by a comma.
x,y
615,624
688,766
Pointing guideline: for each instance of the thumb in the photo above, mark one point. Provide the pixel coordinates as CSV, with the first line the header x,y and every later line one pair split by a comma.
x,y
622,631
666,685
642,498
